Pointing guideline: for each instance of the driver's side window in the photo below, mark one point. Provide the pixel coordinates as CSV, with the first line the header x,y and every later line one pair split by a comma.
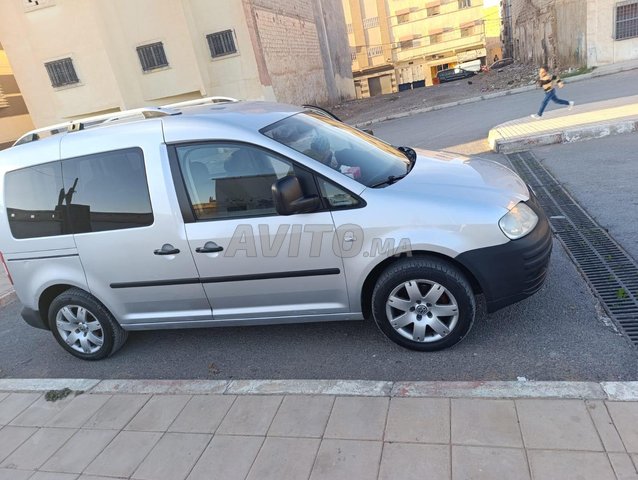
x,y
225,180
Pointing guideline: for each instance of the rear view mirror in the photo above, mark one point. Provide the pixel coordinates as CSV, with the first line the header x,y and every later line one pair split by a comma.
x,y
289,198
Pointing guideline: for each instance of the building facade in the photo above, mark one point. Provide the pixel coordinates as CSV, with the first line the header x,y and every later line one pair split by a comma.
x,y
434,36
74,59
14,116
574,33
369,37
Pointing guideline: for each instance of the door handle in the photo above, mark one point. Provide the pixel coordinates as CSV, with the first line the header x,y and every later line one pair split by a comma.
x,y
167,249
209,247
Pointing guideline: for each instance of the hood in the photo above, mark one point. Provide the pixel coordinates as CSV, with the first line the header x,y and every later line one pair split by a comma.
x,y
447,174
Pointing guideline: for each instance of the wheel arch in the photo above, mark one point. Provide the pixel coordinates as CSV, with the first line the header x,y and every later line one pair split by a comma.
x,y
375,273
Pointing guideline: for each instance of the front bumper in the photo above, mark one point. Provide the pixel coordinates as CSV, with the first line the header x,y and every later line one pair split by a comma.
x,y
515,270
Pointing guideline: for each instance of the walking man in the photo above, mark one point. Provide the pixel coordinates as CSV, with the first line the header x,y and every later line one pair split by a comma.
x,y
547,81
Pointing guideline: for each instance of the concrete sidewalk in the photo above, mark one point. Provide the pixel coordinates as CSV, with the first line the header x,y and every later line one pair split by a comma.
x,y
561,125
413,431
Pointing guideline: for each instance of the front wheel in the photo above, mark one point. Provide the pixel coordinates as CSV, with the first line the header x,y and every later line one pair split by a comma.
x,y
83,326
423,304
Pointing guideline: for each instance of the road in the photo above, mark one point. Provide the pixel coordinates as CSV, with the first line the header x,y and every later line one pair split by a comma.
x,y
558,334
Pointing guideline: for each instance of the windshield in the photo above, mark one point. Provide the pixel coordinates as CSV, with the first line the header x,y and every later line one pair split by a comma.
x,y
348,150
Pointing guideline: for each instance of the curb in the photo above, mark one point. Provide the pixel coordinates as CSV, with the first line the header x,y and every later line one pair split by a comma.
x,y
7,297
503,93
618,391
571,135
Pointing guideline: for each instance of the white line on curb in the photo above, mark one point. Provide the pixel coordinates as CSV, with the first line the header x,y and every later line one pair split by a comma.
x,y
46,384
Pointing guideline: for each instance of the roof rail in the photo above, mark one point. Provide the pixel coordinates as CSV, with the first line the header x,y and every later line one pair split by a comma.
x,y
200,101
80,124
146,112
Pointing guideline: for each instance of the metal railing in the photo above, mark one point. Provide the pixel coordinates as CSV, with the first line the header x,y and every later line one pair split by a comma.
x,y
145,112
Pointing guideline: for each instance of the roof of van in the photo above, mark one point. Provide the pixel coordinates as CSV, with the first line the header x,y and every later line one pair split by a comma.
x,y
246,115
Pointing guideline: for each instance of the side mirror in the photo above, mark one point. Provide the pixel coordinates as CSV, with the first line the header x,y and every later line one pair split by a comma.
x,y
289,198
457,70
368,131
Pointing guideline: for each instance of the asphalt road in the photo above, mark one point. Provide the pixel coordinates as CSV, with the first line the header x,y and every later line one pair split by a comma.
x,y
557,334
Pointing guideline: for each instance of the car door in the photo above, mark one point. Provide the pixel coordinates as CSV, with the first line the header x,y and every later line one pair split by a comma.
x,y
253,263
131,243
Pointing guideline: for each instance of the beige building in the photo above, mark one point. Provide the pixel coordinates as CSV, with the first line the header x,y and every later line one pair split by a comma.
x,y
14,116
369,36
77,58
435,35
574,33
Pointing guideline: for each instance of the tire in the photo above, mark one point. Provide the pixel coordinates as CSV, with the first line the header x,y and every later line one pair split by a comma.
x,y
421,324
97,337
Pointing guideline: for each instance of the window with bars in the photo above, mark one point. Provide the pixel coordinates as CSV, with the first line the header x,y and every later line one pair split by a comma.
x,y
371,22
403,18
349,28
626,19
221,43
433,11
465,3
467,31
375,51
406,44
152,56
61,72
436,38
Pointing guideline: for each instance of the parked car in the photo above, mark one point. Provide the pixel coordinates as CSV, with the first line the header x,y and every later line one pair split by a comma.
x,y
501,63
451,74
251,213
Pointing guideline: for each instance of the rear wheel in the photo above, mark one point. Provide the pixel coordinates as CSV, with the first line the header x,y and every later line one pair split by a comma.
x,y
423,304
83,326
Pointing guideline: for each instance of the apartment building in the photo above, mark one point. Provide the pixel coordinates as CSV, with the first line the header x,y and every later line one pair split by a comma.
x,y
435,35
77,58
14,116
371,50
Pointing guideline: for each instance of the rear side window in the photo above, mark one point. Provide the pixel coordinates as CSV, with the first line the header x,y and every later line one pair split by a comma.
x,y
32,200
94,193
107,191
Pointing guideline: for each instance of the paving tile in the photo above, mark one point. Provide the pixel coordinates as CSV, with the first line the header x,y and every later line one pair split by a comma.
x,y
250,415
173,456
11,474
302,416
53,476
81,449
603,423
623,466
490,423
3,395
487,463
557,424
227,458
12,437
14,404
347,460
78,412
158,413
357,418
625,417
409,461
117,412
40,412
202,414
124,454
549,465
422,420
282,458
38,448
94,477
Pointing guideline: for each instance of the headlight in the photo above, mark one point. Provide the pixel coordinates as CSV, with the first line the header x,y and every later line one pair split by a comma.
x,y
518,222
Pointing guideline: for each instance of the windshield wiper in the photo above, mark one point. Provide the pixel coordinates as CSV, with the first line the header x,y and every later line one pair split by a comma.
x,y
389,181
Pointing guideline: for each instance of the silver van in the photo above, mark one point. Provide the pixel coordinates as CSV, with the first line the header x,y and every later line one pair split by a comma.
x,y
222,212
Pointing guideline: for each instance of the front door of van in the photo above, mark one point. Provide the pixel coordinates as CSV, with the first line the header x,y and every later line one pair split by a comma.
x,y
131,244
253,263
